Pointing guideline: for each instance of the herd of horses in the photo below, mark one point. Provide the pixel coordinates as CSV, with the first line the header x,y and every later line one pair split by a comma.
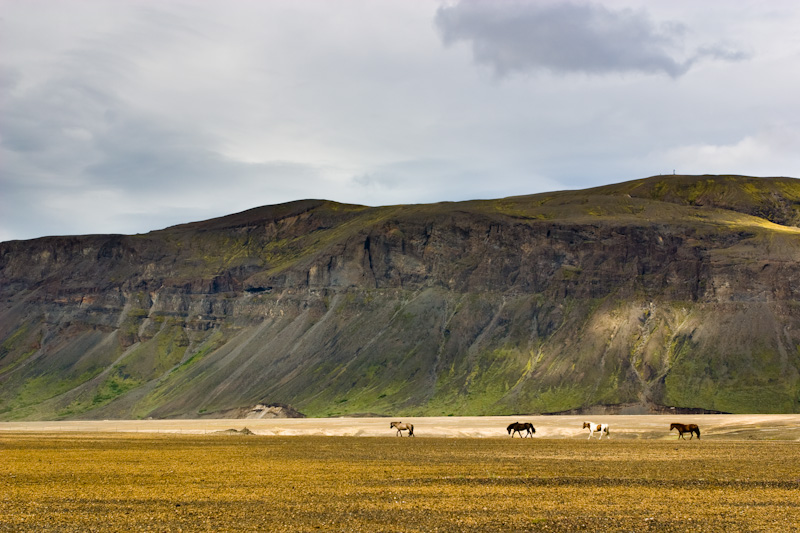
x,y
529,430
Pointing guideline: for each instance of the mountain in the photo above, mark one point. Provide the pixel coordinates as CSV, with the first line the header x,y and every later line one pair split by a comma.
x,y
668,292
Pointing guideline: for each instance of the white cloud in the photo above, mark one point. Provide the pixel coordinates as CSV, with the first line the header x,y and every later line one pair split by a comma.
x,y
769,152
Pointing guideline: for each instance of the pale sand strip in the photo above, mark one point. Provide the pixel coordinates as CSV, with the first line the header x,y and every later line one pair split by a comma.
x,y
759,427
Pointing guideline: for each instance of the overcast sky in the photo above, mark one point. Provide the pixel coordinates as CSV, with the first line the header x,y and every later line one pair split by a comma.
x,y
130,116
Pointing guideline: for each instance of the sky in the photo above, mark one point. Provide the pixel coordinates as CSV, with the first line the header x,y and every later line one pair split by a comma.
x,y
131,116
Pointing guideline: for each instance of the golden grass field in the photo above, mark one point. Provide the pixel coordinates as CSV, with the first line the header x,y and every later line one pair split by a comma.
x,y
189,477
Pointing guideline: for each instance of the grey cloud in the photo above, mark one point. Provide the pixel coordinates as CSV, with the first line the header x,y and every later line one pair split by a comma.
x,y
76,134
565,37
9,78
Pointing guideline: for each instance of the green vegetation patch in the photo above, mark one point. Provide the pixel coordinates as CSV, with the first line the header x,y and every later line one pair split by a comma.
x,y
22,343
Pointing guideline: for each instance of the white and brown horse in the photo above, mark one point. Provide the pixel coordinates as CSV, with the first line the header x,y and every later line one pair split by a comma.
x,y
691,429
400,427
518,427
602,428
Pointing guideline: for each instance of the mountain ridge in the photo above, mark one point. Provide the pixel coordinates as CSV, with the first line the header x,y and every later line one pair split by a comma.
x,y
674,291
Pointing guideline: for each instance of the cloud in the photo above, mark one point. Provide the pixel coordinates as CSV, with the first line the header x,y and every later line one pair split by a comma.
x,y
139,115
769,152
564,37
93,162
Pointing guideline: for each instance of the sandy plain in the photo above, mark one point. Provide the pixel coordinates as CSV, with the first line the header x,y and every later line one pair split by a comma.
x,y
460,474
758,427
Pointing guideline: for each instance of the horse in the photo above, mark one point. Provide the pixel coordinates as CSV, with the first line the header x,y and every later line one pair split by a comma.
x,y
691,429
602,428
516,427
401,426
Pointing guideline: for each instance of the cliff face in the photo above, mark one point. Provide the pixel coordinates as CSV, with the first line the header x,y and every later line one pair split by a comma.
x,y
672,291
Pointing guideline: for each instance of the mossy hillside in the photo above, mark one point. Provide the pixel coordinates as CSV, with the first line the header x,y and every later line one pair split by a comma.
x,y
479,366
774,199
64,364
509,368
370,362
740,371
506,372
141,364
542,303
20,344
183,380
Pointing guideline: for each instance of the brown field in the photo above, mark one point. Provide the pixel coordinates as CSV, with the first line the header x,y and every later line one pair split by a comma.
x,y
744,475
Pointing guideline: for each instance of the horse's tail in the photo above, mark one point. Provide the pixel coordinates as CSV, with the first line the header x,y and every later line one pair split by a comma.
x,y
698,433
411,430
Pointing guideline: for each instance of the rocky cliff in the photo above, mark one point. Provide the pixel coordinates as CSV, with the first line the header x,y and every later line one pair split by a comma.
x,y
672,291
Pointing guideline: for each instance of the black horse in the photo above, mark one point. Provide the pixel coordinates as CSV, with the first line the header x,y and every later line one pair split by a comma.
x,y
517,427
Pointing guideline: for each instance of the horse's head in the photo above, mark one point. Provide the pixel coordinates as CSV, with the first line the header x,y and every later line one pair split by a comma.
x,y
587,425
672,426
393,424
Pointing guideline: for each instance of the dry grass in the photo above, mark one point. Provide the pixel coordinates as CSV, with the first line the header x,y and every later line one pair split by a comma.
x,y
118,482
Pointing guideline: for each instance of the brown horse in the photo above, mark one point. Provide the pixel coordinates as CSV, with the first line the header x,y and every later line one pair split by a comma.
x,y
516,427
400,427
691,429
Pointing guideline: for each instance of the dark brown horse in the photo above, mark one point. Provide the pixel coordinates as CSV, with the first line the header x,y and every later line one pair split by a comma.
x,y
691,429
402,426
517,427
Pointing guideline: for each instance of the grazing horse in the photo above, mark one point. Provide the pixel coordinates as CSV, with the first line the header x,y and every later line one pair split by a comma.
x,y
516,427
401,426
691,429
602,428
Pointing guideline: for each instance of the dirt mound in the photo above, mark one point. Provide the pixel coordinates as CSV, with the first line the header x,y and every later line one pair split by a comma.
x,y
243,431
